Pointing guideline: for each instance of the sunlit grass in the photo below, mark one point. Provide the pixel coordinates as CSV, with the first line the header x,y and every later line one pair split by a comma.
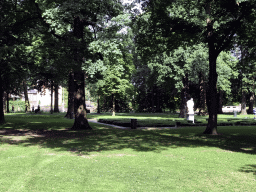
x,y
43,155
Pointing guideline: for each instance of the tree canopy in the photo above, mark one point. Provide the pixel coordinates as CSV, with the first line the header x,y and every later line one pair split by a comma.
x,y
152,59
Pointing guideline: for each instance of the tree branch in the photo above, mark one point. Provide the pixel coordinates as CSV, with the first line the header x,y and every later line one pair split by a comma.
x,y
39,13
233,28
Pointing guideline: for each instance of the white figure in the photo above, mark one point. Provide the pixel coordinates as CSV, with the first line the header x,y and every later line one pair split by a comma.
x,y
190,105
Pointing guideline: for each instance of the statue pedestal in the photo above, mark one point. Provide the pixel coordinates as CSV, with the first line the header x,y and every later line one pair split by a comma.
x,y
190,117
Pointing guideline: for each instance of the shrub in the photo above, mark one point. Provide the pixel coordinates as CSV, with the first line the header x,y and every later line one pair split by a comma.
x,y
19,105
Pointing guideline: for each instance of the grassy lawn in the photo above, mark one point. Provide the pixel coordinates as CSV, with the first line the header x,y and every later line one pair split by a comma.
x,y
39,153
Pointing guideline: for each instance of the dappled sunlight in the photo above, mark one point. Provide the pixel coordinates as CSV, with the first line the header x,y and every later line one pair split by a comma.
x,y
106,139
55,133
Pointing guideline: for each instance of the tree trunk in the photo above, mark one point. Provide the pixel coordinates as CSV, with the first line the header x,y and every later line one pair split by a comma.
x,y
79,91
51,95
243,104
27,109
56,98
114,105
220,102
2,120
71,91
104,103
158,100
81,122
212,99
4,102
98,107
213,76
152,100
184,95
250,110
7,103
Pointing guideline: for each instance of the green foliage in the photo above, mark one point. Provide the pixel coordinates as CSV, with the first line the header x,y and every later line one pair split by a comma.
x,y
19,105
226,69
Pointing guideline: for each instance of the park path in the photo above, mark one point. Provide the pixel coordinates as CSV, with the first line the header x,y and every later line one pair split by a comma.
x,y
139,128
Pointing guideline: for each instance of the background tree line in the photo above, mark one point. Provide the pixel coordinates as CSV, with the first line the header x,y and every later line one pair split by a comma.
x,y
148,60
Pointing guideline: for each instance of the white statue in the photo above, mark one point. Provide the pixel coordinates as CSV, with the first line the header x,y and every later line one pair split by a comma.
x,y
190,105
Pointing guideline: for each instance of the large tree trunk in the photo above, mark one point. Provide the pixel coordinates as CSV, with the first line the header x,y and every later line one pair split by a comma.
x,y
243,87
56,98
212,98
213,76
27,109
243,104
2,120
71,91
79,103
220,102
79,92
250,110
184,97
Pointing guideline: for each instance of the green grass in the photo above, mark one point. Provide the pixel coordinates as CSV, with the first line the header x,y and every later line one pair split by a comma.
x,y
39,153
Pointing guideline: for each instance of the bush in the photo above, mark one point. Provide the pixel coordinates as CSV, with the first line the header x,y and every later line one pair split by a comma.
x,y
18,105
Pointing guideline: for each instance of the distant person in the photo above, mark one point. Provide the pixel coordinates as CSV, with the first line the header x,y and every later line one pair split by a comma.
x,y
254,112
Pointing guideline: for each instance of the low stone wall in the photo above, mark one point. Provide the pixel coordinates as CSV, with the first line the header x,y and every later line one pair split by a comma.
x,y
230,109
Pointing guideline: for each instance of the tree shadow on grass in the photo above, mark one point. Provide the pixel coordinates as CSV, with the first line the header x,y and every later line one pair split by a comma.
x,y
105,138
249,169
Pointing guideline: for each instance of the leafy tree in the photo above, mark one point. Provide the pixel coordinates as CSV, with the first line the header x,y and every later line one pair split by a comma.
x,y
111,71
73,23
16,19
116,71
175,23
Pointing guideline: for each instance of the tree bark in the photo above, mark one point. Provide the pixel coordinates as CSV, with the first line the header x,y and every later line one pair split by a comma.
x,y
79,91
2,120
243,104
250,110
71,91
81,122
27,109
212,97
220,102
184,97
56,98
